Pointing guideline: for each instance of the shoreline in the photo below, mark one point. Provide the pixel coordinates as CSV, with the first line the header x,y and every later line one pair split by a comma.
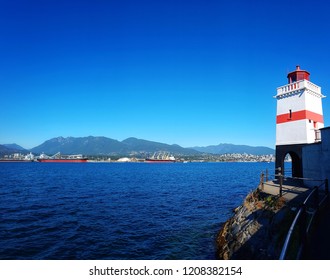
x,y
256,230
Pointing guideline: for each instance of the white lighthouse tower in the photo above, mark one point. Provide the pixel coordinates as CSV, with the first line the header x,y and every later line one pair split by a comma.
x,y
299,110
299,117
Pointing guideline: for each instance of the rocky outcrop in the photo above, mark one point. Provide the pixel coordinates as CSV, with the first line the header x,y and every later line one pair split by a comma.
x,y
256,230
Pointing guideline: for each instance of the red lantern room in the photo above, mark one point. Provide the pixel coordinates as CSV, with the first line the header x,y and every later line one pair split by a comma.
x,y
298,75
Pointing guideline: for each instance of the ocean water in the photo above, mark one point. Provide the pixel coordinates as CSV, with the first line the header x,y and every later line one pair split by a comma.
x,y
118,210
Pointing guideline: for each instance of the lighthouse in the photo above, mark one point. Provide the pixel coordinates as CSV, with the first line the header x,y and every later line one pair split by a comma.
x,y
299,118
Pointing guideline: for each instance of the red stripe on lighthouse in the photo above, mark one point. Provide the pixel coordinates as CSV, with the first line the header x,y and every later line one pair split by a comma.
x,y
299,115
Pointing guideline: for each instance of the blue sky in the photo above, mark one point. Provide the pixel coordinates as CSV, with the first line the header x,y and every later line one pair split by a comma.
x,y
185,72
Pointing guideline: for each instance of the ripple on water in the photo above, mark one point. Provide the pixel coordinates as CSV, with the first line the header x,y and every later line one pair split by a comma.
x,y
118,211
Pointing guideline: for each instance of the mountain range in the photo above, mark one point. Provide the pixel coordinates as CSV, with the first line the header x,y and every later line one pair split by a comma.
x,y
131,146
6,149
234,149
106,146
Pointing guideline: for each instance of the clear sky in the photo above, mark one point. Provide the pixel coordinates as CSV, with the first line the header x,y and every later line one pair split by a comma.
x,y
191,72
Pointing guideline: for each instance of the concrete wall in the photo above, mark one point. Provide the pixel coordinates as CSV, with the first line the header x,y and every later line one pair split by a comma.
x,y
312,166
316,159
326,152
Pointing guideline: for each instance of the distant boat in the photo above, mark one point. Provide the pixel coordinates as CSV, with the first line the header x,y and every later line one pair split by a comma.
x,y
61,158
161,157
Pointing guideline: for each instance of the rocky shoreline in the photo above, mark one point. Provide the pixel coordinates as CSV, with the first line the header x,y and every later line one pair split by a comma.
x,y
257,229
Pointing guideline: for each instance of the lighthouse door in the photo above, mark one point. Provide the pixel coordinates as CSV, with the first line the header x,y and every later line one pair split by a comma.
x,y
295,152
296,166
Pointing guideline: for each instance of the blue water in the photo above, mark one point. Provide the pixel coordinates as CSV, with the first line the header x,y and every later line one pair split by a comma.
x,y
118,210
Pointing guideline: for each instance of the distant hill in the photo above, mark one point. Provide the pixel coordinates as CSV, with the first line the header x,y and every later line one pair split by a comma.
x,y
231,149
106,146
4,150
81,145
14,146
8,149
140,145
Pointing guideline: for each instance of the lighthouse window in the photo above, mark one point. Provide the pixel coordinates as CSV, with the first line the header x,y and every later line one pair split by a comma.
x,y
290,114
